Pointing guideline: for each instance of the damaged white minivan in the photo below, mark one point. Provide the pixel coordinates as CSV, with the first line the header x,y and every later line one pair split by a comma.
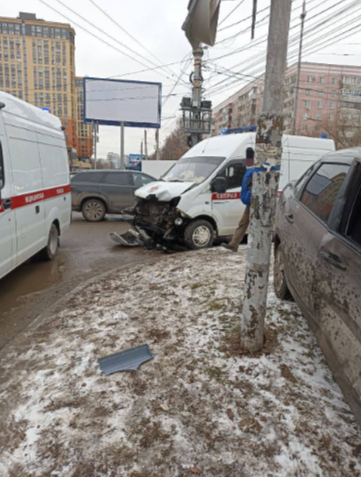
x,y
198,199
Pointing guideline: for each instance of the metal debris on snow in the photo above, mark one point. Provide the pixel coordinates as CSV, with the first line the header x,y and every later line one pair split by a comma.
x,y
127,360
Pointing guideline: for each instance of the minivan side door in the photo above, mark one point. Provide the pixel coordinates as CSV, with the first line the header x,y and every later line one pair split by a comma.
x,y
7,215
118,189
228,208
337,285
306,214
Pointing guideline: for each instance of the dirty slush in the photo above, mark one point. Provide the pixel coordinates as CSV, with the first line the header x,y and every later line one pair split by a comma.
x,y
199,407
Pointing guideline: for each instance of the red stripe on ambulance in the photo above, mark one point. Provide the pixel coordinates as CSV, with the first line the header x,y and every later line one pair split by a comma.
x,y
39,196
226,196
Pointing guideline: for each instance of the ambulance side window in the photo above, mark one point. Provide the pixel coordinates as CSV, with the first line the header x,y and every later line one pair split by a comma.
x,y
234,175
2,172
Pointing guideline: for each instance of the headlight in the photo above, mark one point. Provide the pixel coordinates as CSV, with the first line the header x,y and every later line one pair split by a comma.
x,y
178,221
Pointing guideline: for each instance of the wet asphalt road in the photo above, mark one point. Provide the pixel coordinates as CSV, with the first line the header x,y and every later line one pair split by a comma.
x,y
86,251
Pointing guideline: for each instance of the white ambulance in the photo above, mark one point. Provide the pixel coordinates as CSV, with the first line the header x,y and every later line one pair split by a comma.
x,y
35,196
198,199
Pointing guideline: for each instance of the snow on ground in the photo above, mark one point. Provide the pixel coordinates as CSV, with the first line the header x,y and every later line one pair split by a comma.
x,y
198,407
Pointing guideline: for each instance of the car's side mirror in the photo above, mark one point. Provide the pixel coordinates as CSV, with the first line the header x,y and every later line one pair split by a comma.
x,y
219,185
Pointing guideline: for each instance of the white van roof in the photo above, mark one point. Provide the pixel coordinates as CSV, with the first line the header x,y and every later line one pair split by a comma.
x,y
17,107
233,145
222,146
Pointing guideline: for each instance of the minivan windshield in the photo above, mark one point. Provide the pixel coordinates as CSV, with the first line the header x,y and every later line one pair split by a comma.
x,y
193,169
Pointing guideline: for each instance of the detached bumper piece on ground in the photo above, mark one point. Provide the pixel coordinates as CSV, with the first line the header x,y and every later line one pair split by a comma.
x,y
128,360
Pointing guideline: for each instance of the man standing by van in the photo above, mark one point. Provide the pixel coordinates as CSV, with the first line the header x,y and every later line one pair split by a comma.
x,y
246,195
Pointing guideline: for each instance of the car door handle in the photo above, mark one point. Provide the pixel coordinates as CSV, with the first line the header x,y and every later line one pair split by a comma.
x,y
7,204
333,261
289,218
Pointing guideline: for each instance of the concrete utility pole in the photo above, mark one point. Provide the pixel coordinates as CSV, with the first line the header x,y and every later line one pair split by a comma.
x,y
145,145
265,183
197,91
141,148
303,16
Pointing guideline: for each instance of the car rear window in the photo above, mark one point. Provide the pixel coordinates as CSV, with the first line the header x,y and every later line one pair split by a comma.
x,y
117,178
88,177
322,189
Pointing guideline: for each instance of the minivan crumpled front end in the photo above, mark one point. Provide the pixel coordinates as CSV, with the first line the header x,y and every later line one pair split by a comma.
x,y
155,223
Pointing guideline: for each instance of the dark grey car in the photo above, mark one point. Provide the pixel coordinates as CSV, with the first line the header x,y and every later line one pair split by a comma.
x,y
96,193
318,260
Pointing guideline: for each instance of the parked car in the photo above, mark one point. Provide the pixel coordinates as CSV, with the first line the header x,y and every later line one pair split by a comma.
x,y
318,259
96,193
35,203
198,199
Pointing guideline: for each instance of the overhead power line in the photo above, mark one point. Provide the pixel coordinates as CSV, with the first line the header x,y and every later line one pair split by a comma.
x,y
311,31
112,38
229,14
92,34
132,37
312,49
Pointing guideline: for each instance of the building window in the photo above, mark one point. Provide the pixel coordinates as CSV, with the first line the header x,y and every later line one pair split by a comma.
x,y
39,31
305,116
307,104
318,117
334,80
332,105
330,117
304,127
333,94
57,33
320,92
319,104
308,92
46,32
322,79
310,79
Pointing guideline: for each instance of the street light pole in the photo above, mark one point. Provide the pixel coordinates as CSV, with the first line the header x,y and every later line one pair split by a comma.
x,y
268,153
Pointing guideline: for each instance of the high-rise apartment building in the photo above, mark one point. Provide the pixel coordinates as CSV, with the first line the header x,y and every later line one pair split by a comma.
x,y
37,64
329,102
85,139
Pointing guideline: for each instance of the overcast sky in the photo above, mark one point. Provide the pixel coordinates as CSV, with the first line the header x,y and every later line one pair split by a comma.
x,y
156,24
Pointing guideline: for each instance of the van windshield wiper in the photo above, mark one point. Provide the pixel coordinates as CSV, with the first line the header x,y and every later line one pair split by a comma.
x,y
175,180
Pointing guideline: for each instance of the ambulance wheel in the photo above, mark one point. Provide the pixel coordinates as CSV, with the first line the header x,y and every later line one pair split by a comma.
x,y
48,253
93,210
199,234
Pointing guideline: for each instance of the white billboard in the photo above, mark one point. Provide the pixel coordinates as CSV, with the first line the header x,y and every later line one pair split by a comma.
x,y
112,102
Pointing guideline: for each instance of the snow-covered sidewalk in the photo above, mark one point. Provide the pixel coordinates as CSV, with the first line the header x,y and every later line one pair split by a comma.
x,y
199,407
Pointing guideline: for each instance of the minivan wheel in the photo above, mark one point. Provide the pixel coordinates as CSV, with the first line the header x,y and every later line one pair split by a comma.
x,y
280,284
93,210
48,253
199,234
